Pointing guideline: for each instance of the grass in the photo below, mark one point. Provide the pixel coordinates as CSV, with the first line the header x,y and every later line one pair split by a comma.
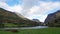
x,y
10,24
35,31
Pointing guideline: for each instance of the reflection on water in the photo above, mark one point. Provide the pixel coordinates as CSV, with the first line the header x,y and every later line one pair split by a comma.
x,y
36,27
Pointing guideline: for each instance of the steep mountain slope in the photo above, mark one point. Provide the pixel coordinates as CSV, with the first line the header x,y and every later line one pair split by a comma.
x,y
8,17
53,19
11,17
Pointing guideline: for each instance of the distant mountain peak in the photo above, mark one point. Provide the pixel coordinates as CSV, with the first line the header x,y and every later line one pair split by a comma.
x,y
57,11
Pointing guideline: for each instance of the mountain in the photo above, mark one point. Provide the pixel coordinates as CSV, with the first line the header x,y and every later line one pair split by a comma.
x,y
53,19
15,18
9,17
37,20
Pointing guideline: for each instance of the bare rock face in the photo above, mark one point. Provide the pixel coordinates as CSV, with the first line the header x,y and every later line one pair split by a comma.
x,y
53,19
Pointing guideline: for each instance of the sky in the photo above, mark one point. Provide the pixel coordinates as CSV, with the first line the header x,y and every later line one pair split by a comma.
x,y
31,9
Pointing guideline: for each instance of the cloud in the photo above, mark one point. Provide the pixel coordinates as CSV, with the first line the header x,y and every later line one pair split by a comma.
x,y
15,8
41,8
5,0
3,4
32,8
50,0
41,17
27,4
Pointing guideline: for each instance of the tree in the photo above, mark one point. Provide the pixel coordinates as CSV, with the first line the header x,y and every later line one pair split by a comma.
x,y
1,22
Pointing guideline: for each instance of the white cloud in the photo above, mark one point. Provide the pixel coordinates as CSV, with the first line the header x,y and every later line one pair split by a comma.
x,y
30,10
41,8
27,4
33,9
5,0
3,5
16,8
41,17
2,0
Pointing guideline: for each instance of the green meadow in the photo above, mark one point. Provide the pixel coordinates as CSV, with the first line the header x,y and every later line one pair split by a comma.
x,y
51,30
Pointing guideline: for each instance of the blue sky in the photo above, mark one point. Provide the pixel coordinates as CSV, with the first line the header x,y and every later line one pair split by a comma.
x,y
32,9
14,2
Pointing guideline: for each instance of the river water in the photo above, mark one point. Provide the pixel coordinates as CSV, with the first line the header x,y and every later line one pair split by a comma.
x,y
36,27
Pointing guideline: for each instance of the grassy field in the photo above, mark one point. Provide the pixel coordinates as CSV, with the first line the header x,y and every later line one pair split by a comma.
x,y
35,31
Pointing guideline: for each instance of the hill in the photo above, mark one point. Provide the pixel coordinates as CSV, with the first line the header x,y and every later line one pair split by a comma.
x,y
15,18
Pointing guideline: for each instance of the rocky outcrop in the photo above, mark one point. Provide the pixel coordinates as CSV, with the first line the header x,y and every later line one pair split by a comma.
x,y
53,19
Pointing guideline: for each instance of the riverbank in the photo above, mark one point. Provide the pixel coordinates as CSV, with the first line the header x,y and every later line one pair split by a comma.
x,y
35,27
35,31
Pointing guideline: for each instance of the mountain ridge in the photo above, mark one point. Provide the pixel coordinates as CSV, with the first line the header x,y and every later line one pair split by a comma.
x,y
12,17
53,19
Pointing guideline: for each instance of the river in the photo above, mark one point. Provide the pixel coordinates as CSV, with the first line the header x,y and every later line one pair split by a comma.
x,y
36,27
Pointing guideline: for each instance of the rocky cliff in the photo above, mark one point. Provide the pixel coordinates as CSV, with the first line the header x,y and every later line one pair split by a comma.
x,y
53,19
